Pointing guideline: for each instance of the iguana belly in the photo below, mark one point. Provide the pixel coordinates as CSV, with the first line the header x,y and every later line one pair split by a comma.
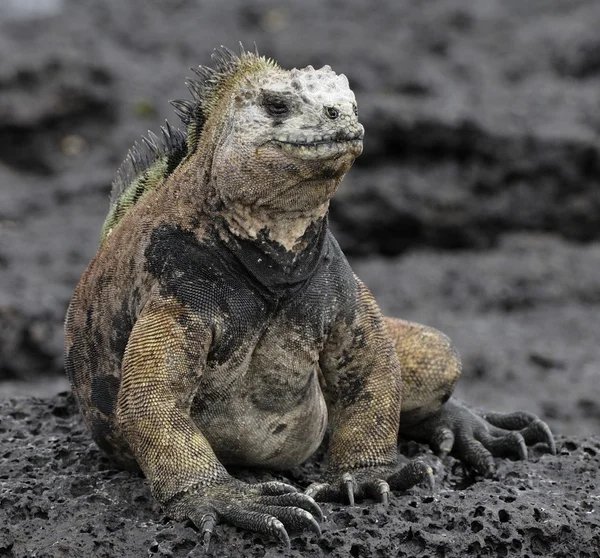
x,y
264,407
261,432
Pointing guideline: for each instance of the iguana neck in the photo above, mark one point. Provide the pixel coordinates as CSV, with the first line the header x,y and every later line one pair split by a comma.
x,y
276,271
280,249
293,231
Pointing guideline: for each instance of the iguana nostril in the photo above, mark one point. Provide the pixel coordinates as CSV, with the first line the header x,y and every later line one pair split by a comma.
x,y
332,112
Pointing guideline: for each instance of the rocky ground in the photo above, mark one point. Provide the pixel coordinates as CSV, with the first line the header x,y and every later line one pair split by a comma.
x,y
60,497
475,208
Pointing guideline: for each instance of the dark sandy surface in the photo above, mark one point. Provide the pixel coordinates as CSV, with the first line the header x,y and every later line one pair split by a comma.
x,y
475,208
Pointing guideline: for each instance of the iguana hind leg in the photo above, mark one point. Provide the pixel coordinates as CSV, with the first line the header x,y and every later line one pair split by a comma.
x,y
430,369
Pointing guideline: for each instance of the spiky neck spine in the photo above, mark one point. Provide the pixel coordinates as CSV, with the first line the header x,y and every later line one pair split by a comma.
x,y
145,167
148,165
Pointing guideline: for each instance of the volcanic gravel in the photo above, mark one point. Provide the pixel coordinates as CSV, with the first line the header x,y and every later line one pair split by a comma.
x,y
475,208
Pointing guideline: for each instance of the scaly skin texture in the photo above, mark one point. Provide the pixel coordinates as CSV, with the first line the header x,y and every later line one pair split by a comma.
x,y
220,324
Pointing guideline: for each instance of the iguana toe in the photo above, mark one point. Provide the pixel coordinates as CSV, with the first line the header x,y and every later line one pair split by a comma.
x,y
473,453
442,441
380,491
275,488
532,429
477,437
269,508
502,442
264,523
207,526
539,431
413,473
293,518
348,481
294,499
375,482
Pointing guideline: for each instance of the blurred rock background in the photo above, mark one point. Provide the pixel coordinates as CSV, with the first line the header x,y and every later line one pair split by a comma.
x,y
475,207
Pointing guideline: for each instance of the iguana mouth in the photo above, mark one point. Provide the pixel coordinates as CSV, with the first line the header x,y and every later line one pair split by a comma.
x,y
316,139
319,147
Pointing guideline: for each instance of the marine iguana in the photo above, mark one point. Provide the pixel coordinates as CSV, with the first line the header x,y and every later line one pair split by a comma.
x,y
220,324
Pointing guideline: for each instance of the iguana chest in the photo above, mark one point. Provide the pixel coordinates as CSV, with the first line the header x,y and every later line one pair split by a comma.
x,y
263,405
259,401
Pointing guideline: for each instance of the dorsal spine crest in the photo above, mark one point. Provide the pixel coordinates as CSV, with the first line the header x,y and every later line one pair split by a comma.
x,y
147,165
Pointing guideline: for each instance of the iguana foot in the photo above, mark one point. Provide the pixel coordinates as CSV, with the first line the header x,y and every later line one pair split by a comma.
x,y
269,508
476,437
371,482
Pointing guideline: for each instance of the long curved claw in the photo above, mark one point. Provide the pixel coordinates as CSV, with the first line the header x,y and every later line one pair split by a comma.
x,y
430,479
312,524
277,529
443,442
348,482
538,431
256,521
380,490
294,499
291,517
207,526
309,521
478,456
509,443
320,491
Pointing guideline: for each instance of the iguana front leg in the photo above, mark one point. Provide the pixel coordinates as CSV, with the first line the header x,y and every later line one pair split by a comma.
x,y
165,356
431,366
363,385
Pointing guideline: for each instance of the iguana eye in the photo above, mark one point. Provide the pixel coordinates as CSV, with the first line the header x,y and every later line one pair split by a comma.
x,y
332,112
355,109
276,107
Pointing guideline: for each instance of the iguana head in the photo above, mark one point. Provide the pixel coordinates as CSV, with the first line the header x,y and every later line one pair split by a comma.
x,y
275,138
268,147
